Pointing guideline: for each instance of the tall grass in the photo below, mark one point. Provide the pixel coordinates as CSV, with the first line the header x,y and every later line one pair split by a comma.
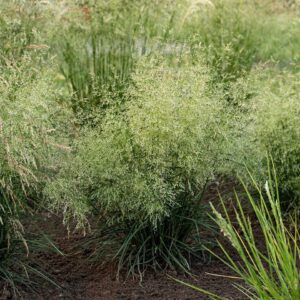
x,y
237,35
137,247
269,269
31,130
99,73
228,35
270,273
268,121
143,171
99,54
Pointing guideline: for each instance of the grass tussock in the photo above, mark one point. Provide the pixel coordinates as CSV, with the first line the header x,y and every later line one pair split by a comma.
x,y
269,269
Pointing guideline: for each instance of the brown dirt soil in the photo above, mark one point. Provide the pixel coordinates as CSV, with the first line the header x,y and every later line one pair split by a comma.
x,y
80,280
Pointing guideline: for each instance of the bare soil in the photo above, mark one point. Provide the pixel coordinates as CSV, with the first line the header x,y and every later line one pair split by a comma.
x,y
80,279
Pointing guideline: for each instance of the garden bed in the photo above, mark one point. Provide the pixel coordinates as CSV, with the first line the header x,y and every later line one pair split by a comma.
x,y
81,280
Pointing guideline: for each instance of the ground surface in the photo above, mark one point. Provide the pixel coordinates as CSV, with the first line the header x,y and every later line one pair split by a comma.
x,y
81,280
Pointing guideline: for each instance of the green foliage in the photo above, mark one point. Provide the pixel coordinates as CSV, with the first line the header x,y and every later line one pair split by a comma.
x,y
30,128
149,162
99,54
227,30
270,272
25,31
268,122
158,148
154,19
137,246
281,40
16,32
277,119
236,35
99,72
159,124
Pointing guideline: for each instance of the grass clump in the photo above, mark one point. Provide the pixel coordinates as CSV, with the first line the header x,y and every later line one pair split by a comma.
x,y
145,170
99,71
277,130
30,122
270,270
267,122
100,53
272,274
228,34
238,35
